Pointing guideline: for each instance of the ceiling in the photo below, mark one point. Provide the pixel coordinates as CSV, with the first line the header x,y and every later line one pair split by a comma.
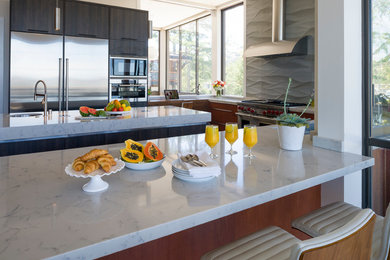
x,y
164,13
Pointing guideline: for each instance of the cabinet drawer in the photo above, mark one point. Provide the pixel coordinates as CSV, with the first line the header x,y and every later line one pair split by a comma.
x,y
223,107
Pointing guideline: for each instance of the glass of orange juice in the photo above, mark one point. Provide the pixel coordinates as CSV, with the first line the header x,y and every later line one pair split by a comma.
x,y
231,135
250,138
212,138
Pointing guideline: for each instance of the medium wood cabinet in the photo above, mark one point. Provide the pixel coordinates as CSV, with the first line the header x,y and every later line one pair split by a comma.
x,y
86,20
37,16
128,32
222,113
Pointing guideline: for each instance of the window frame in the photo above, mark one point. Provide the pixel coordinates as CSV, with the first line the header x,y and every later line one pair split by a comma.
x,y
154,93
223,33
180,53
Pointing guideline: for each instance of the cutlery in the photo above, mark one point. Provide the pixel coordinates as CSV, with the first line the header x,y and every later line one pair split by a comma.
x,y
189,159
196,158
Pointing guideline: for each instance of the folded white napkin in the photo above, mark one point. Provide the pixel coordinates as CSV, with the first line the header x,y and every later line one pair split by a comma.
x,y
212,168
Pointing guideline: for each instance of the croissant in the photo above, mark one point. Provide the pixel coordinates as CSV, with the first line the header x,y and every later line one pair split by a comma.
x,y
91,166
93,154
78,164
109,156
105,163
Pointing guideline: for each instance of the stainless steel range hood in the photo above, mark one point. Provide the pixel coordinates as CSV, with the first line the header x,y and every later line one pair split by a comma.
x,y
279,46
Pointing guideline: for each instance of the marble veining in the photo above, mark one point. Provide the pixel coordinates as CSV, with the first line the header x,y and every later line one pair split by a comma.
x,y
45,214
14,128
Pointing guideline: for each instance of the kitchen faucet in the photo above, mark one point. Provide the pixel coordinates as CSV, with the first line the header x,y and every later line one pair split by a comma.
x,y
44,95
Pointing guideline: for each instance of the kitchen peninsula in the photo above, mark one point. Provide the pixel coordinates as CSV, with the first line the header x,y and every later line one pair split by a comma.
x,y
153,215
35,134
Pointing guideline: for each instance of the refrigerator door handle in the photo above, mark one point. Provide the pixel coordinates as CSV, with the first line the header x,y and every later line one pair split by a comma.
x,y
67,85
59,85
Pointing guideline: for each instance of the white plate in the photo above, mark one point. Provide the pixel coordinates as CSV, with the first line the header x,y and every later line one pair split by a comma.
x,y
176,165
191,179
118,112
144,165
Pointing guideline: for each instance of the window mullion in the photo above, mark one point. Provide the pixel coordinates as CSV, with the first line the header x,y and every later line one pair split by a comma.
x,y
196,55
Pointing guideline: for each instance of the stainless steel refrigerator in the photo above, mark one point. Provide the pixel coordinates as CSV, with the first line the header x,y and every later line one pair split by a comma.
x,y
75,70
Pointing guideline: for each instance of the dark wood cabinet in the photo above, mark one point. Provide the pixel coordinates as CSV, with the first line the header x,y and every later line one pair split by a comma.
x,y
129,47
37,16
86,20
128,32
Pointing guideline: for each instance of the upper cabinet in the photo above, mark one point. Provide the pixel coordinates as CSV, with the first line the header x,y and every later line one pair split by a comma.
x,y
37,16
86,20
128,32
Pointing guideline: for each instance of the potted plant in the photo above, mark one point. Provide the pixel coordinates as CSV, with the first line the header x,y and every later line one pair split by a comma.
x,y
291,127
218,86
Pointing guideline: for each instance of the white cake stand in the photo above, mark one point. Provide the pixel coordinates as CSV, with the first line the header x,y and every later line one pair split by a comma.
x,y
96,183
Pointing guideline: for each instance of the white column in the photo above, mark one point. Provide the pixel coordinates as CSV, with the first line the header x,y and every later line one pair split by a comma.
x,y
339,88
216,45
163,60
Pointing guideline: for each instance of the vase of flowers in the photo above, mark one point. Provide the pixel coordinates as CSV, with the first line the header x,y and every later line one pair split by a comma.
x,y
291,127
218,86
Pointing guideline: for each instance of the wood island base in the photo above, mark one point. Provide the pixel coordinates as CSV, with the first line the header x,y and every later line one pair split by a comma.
x,y
194,242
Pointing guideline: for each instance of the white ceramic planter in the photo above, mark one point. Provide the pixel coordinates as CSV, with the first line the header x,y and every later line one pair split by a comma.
x,y
291,137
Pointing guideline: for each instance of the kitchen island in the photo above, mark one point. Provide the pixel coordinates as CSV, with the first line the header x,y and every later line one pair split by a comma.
x,y
45,214
34,134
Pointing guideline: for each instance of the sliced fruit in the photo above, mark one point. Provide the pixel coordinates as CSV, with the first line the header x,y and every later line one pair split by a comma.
x,y
110,107
152,152
125,102
92,112
131,156
133,145
84,111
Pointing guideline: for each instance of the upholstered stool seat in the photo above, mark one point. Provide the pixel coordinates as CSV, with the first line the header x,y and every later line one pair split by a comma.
x,y
335,215
326,219
269,243
351,241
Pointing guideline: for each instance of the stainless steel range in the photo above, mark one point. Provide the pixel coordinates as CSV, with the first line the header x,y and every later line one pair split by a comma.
x,y
261,112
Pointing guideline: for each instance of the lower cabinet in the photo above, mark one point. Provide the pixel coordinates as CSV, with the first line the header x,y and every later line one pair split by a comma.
x,y
222,113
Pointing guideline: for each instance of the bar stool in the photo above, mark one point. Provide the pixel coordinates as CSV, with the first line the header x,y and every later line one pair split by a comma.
x,y
335,215
351,241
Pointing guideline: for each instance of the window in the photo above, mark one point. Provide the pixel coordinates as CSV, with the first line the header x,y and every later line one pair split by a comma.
x,y
233,49
154,63
189,56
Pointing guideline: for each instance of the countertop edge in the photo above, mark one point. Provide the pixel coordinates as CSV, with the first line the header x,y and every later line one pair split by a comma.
x,y
124,242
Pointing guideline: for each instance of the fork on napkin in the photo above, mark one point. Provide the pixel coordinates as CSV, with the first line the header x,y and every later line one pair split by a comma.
x,y
212,168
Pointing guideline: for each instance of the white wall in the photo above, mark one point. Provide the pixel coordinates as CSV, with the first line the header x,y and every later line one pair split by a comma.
x,y
4,50
339,88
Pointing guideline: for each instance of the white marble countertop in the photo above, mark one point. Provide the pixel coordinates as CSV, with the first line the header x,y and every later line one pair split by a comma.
x,y
16,128
45,214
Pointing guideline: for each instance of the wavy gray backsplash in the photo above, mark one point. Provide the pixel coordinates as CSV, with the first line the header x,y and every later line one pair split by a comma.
x,y
267,78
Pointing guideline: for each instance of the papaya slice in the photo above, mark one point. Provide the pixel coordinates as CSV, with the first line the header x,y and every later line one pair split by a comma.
x,y
133,145
132,156
152,152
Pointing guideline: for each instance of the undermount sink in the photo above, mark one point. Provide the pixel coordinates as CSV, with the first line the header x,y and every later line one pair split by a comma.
x,y
26,115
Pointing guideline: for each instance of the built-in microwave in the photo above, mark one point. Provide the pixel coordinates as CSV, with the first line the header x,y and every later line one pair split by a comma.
x,y
128,67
